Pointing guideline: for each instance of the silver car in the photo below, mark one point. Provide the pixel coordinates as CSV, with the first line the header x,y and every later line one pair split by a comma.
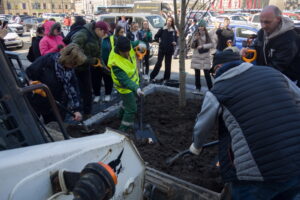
x,y
12,40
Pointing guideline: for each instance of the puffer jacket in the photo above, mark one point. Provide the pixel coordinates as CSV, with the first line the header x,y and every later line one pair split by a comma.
x,y
87,39
280,49
257,110
50,42
203,60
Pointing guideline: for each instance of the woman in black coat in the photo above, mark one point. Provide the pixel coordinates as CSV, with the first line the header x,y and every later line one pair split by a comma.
x,y
167,38
56,71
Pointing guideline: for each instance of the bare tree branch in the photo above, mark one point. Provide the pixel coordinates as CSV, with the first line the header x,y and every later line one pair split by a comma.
x,y
176,14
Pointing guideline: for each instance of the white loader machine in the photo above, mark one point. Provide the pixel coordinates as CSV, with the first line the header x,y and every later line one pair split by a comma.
x,y
104,166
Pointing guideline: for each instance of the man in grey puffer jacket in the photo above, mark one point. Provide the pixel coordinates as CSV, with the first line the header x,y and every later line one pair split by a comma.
x,y
257,110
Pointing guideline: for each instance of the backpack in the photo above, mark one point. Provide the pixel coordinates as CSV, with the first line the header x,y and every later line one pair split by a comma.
x,y
30,55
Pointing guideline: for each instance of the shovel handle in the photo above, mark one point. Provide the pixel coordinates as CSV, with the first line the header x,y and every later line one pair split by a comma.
x,y
211,143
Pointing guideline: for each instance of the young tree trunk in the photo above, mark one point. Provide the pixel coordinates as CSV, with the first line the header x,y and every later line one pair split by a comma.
x,y
181,28
182,53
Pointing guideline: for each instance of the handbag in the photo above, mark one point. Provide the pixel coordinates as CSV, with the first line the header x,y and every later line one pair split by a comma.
x,y
202,50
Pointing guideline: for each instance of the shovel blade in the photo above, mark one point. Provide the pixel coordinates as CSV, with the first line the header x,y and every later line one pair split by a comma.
x,y
145,133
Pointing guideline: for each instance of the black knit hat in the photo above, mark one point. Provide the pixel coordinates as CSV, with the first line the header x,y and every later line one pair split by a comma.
x,y
228,55
123,44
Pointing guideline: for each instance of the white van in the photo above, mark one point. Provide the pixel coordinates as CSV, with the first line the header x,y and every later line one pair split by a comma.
x,y
155,21
57,16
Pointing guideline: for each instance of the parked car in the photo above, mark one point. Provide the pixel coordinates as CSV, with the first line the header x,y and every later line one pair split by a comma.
x,y
242,33
255,21
208,15
155,21
58,17
293,16
18,28
234,19
12,40
32,23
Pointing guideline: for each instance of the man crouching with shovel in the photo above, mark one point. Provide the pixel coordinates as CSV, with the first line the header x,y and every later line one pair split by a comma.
x,y
257,110
124,72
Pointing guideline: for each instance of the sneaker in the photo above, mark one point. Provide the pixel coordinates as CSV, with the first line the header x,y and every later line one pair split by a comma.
x,y
96,99
196,91
146,77
152,81
107,98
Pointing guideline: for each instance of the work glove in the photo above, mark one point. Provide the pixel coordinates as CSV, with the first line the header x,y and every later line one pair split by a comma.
x,y
194,150
38,91
98,63
60,46
139,92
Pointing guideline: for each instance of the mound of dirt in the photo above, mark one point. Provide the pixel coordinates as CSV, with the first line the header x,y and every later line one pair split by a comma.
x,y
173,127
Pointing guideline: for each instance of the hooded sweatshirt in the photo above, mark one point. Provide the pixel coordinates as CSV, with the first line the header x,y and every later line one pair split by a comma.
x,y
50,42
280,49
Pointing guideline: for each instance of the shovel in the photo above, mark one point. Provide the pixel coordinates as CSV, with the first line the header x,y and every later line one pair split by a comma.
x,y
144,131
170,161
85,130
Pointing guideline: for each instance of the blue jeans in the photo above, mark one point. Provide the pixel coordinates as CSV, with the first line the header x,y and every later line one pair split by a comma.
x,y
289,190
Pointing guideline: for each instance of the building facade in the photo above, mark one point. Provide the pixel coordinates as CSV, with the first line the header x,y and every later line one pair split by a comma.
x,y
36,7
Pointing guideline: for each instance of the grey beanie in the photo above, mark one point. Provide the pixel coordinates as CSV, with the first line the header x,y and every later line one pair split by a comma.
x,y
228,55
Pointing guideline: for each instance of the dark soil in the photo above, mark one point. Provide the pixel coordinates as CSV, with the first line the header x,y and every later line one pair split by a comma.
x,y
173,127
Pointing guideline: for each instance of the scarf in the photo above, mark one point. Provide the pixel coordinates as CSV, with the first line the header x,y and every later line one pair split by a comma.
x,y
65,76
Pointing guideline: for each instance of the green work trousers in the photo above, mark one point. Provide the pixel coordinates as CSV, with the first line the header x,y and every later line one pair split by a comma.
x,y
128,111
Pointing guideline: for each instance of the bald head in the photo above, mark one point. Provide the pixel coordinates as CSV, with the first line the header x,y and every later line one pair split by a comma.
x,y
272,10
270,18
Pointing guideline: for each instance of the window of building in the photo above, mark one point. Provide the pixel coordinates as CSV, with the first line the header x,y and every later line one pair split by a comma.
x,y
36,6
24,5
8,6
53,6
44,6
66,6
59,6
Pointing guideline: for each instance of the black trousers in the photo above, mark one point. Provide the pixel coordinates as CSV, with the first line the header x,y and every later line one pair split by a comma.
x,y
168,60
207,78
97,76
146,60
85,89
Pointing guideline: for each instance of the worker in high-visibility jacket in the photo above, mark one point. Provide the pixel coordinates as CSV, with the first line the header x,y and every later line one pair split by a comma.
x,y
125,75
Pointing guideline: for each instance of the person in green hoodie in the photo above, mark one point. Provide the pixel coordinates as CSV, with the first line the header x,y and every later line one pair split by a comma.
x,y
89,39
122,62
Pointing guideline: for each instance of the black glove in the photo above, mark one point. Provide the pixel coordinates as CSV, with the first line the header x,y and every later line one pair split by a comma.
x,y
60,46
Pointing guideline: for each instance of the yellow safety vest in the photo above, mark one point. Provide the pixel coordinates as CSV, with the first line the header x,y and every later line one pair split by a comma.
x,y
129,67
112,42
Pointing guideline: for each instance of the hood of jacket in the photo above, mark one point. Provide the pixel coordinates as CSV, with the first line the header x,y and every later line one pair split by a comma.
x,y
47,26
286,25
89,28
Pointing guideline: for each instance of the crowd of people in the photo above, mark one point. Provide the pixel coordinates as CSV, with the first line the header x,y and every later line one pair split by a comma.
x,y
254,105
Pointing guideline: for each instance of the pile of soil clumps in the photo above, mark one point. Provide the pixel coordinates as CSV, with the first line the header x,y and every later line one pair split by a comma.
x,y
174,128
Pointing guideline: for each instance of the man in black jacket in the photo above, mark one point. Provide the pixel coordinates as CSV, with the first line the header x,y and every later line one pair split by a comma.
x,y
277,44
225,35
257,112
